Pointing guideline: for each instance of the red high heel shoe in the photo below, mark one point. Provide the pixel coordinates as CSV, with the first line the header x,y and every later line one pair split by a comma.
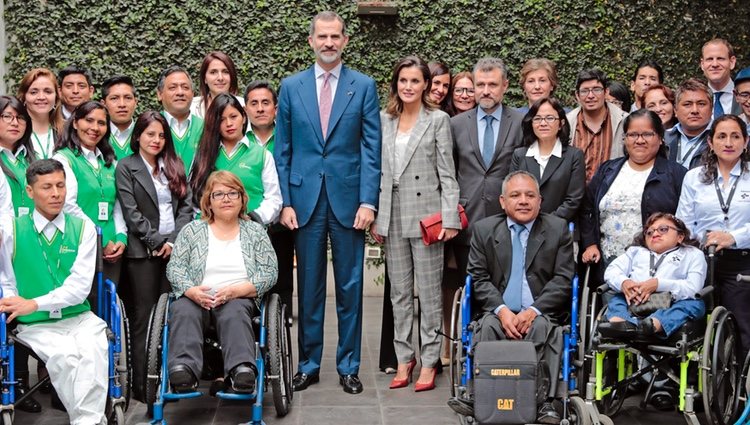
x,y
427,386
401,383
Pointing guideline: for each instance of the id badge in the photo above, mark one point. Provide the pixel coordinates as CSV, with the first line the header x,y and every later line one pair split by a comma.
x,y
22,211
103,211
55,314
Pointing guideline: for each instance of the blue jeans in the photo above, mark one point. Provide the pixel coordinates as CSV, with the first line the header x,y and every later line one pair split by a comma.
x,y
671,318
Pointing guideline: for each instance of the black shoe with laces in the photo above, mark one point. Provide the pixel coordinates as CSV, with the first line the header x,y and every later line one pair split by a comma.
x,y
547,414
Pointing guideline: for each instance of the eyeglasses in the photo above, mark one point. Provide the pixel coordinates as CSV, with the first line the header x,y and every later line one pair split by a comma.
x,y
743,96
217,196
8,118
585,92
646,135
663,230
549,118
615,102
463,90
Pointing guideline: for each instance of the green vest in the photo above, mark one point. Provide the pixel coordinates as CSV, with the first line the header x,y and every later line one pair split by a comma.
x,y
186,145
120,151
37,275
247,164
94,186
251,137
18,193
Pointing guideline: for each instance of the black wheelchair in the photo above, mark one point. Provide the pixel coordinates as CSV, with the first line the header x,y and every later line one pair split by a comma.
x,y
110,309
706,351
273,361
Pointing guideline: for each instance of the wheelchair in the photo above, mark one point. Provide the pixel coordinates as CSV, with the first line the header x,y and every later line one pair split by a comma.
x,y
273,361
707,352
110,309
574,409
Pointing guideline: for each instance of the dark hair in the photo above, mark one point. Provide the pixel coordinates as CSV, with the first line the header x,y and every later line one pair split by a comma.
x,y
55,116
208,147
528,130
621,93
25,140
648,63
591,74
69,137
73,70
227,61
438,69
668,93
710,160
395,105
261,84
656,124
169,71
42,167
173,167
693,84
115,80
451,109
640,237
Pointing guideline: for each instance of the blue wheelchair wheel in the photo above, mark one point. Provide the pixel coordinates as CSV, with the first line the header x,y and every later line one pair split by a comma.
x,y
279,355
123,367
153,345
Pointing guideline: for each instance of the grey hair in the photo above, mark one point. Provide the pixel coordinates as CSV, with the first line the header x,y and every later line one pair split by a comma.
x,y
517,173
489,64
169,71
327,16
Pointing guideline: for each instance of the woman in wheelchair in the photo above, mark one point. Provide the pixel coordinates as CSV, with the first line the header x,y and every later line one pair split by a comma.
x,y
656,280
220,268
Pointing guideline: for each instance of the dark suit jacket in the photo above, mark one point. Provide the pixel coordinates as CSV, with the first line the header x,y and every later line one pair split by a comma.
x,y
140,207
672,137
549,264
563,183
480,186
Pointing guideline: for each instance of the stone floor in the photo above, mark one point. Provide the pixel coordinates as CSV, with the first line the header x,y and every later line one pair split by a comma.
x,y
325,403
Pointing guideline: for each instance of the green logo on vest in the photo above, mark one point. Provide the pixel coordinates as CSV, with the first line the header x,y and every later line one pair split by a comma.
x,y
244,165
66,250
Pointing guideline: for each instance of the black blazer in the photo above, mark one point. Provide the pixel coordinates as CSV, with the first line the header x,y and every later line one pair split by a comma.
x,y
140,207
549,264
563,183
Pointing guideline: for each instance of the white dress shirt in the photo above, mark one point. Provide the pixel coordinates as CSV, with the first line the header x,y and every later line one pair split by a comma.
x,y
727,96
179,128
122,136
6,199
333,80
76,286
542,160
163,197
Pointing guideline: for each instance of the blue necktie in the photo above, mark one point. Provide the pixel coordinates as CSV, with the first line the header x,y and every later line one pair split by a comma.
x,y
718,109
488,144
512,294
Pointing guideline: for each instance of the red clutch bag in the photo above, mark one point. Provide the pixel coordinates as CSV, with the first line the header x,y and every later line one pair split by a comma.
x,y
432,226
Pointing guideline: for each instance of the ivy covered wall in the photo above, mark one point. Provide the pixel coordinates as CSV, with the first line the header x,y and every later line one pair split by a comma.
x,y
267,38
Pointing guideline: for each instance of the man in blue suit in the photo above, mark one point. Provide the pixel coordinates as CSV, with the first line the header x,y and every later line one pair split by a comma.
x,y
328,159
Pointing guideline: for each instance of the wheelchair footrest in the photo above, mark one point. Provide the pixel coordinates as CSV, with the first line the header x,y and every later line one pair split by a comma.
x,y
235,396
180,396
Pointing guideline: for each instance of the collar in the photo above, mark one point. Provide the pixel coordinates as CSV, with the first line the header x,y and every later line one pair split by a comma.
x,y
172,121
319,71
728,88
116,131
258,139
497,114
678,128
66,113
88,154
245,141
159,163
534,149
510,222
40,222
21,151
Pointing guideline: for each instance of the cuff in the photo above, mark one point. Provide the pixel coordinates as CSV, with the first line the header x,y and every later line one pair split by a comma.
x,y
538,313
497,310
122,237
368,206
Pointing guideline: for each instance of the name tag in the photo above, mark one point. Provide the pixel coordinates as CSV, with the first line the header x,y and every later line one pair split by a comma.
x,y
22,211
103,211
55,314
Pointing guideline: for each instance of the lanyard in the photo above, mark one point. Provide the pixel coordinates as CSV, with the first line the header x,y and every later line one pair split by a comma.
x,y
97,174
46,259
725,206
20,174
43,148
653,267
681,160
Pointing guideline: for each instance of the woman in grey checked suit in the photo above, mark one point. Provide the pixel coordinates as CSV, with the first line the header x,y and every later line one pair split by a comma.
x,y
418,180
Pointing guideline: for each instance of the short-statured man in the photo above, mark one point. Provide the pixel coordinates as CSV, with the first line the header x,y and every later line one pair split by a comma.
x,y
327,151
596,125
484,139
118,96
175,92
47,261
687,140
717,62
75,88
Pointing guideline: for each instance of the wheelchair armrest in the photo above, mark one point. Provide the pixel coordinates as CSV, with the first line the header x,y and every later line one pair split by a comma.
x,y
703,292
602,288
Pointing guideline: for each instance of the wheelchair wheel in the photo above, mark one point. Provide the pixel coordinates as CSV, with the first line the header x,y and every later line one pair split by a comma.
x,y
455,350
8,417
153,349
606,420
719,367
579,415
124,370
279,361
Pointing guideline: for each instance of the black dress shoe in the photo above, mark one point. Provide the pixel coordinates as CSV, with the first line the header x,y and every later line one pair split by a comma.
x,y
351,383
182,379
243,378
461,406
302,380
29,404
618,329
547,414
647,328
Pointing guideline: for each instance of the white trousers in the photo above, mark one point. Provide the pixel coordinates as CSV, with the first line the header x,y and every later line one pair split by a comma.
x,y
75,352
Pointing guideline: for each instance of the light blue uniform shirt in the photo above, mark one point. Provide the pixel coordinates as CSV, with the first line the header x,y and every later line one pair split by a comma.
x,y
689,146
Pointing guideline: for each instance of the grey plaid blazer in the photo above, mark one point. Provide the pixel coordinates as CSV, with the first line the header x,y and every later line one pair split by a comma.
x,y
428,181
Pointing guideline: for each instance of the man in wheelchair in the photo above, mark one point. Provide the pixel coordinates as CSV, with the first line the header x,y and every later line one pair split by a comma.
x,y
46,270
521,265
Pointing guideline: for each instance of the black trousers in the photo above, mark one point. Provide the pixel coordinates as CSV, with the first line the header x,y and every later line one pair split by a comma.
x,y
282,240
233,322
735,296
144,281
